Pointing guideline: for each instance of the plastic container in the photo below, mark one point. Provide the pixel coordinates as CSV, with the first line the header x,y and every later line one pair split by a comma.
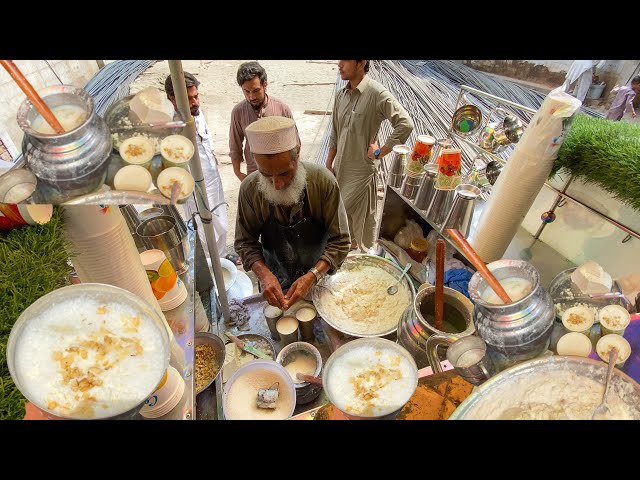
x,y
574,343
607,342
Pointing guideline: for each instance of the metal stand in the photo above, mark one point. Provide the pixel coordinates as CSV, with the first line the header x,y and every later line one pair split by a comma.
x,y
182,101
561,194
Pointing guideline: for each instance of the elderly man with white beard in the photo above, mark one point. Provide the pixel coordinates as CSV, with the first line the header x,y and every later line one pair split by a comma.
x,y
291,228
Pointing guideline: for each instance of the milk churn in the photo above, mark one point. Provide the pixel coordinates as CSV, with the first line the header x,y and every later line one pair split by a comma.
x,y
72,163
517,331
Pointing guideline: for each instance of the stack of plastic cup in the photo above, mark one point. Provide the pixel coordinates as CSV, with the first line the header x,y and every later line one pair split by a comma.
x,y
166,396
166,286
106,251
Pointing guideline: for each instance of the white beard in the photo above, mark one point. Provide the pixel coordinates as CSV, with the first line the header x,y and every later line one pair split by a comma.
x,y
287,196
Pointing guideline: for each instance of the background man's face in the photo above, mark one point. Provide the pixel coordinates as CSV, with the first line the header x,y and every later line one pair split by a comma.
x,y
194,102
347,69
254,91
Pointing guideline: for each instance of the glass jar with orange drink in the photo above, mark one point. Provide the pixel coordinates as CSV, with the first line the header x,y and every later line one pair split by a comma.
x,y
422,149
449,169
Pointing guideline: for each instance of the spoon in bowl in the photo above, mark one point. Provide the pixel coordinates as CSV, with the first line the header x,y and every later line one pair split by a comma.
x,y
393,289
602,411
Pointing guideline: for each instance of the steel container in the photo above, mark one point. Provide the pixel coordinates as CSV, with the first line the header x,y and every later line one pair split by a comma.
x,y
517,331
70,164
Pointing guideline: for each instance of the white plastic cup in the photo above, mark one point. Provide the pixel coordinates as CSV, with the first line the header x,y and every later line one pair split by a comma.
x,y
176,151
137,151
574,343
613,319
166,396
607,342
133,177
168,176
578,319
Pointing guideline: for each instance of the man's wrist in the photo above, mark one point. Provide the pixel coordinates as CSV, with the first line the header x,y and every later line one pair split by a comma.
x,y
376,154
316,273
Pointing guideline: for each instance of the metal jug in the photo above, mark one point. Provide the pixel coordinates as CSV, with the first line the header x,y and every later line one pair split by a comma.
x,y
517,331
416,324
467,355
70,164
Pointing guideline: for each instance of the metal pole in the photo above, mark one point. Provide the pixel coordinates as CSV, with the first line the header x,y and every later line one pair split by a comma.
x,y
182,101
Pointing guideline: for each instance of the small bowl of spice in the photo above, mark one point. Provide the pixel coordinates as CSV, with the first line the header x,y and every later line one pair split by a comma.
x,y
209,359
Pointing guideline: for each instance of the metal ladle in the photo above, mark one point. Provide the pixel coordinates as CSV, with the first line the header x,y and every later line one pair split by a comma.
x,y
393,289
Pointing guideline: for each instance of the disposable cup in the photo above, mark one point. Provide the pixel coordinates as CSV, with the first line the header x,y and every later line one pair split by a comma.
x,y
578,319
613,319
162,277
137,151
607,342
574,343
176,151
133,177
168,176
166,397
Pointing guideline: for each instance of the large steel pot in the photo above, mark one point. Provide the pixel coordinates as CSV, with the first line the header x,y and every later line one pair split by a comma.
x,y
493,390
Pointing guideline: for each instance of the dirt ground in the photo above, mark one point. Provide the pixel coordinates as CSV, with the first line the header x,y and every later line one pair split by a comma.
x,y
219,93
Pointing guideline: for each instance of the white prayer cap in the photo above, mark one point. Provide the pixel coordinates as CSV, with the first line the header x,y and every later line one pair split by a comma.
x,y
270,135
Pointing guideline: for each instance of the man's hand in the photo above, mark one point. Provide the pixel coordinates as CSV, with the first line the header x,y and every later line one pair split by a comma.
x,y
271,290
299,288
633,113
371,152
241,176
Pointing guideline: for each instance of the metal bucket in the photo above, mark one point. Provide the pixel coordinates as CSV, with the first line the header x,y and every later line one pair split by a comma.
x,y
306,392
162,232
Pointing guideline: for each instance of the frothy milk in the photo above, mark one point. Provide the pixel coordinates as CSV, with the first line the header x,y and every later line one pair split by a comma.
x,y
87,359
517,288
69,116
287,325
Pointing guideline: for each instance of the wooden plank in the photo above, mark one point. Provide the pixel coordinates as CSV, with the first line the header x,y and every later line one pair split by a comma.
x,y
318,112
307,84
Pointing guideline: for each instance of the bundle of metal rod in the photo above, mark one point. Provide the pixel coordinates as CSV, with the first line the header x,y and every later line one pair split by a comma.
x,y
112,82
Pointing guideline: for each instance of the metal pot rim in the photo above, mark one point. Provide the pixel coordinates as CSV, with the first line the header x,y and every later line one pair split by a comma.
x,y
476,280
26,106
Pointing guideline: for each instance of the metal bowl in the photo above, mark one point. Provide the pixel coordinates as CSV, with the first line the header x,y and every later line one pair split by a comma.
x,y
305,392
351,262
466,120
101,293
492,390
376,343
205,338
16,186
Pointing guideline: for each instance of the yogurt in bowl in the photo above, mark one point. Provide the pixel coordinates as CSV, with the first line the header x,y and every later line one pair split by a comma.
x,y
370,378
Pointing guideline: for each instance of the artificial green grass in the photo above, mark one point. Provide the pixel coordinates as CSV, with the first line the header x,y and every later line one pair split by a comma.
x,y
604,153
33,262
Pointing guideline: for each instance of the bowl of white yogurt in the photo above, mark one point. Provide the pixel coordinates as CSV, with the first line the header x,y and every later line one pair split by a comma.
x,y
88,351
370,378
